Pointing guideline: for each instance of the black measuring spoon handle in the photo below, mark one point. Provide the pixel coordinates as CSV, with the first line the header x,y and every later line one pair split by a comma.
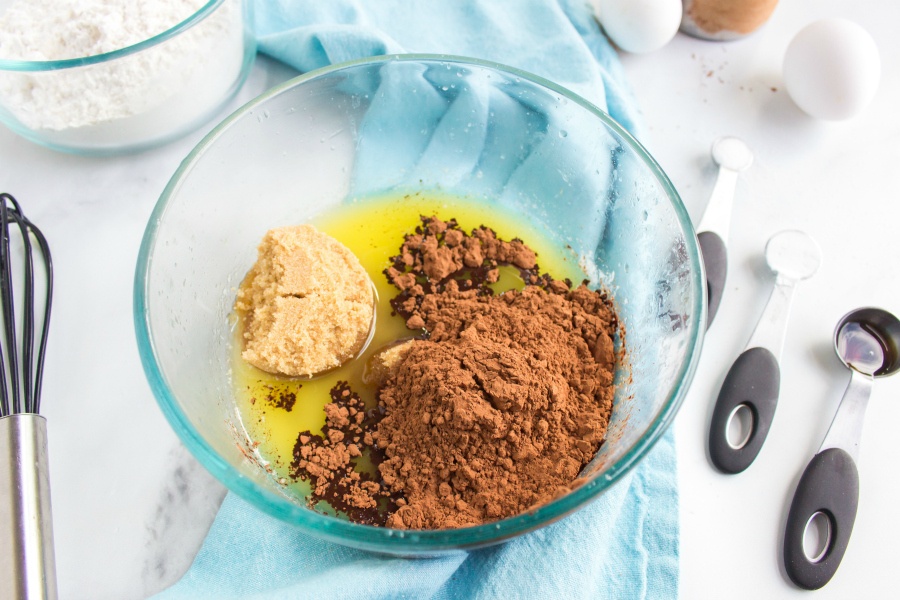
x,y
752,381
829,485
715,261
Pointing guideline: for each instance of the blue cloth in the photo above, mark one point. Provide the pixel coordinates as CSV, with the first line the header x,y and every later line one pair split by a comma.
x,y
557,39
625,544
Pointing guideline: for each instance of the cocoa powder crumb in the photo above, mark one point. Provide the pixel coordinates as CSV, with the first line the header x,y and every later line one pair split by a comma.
x,y
328,461
281,398
441,257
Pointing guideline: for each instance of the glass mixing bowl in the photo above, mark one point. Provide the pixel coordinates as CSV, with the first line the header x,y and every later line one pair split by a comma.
x,y
408,123
131,98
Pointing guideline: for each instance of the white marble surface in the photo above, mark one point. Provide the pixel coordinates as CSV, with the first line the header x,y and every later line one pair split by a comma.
x,y
131,507
837,181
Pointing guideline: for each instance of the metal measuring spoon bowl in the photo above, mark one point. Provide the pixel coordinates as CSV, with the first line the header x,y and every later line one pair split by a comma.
x,y
732,156
867,341
749,394
793,254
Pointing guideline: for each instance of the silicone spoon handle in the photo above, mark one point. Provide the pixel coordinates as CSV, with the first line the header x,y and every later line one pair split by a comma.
x,y
829,485
713,234
715,259
752,381
732,156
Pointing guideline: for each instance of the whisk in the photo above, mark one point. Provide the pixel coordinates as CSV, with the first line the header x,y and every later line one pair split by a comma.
x,y
27,563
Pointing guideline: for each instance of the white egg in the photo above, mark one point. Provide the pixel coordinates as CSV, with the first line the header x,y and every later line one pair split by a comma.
x,y
831,69
639,25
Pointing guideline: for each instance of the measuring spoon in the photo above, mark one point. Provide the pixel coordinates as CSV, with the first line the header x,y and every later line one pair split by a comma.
x,y
867,341
732,156
746,403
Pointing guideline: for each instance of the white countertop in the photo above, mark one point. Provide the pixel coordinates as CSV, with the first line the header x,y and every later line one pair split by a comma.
x,y
131,506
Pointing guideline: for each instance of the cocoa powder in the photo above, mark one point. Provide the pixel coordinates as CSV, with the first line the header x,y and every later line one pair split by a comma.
x,y
328,461
496,407
500,409
439,255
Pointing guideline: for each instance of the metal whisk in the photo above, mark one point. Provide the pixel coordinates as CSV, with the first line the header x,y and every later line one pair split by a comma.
x,y
27,563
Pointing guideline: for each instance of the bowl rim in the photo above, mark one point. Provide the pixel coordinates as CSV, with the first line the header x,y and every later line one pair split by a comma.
x,y
382,538
34,66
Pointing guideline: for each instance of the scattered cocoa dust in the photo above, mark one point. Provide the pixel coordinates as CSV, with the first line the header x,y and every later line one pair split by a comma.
x,y
494,410
279,398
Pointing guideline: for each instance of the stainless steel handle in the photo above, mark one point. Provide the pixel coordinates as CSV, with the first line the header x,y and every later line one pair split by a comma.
x,y
27,562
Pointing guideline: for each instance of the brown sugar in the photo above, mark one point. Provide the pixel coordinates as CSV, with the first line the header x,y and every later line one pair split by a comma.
x,y
381,364
307,301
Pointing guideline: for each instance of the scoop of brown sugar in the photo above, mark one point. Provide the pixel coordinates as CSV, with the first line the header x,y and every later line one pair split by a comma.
x,y
307,301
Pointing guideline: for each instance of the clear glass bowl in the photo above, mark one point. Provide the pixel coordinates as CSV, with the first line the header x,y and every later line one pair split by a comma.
x,y
136,97
416,122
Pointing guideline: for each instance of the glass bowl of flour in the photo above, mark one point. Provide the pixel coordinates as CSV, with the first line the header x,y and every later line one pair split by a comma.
x,y
103,77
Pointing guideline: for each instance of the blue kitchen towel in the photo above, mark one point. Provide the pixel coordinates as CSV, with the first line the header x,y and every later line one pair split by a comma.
x,y
556,39
624,544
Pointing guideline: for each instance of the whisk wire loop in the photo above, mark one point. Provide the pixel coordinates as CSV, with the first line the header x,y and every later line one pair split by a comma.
x,y
20,382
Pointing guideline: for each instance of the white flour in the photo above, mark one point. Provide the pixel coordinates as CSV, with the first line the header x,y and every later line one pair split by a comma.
x,y
131,100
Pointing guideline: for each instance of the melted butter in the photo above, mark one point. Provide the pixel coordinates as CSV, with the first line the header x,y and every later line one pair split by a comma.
x,y
373,230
